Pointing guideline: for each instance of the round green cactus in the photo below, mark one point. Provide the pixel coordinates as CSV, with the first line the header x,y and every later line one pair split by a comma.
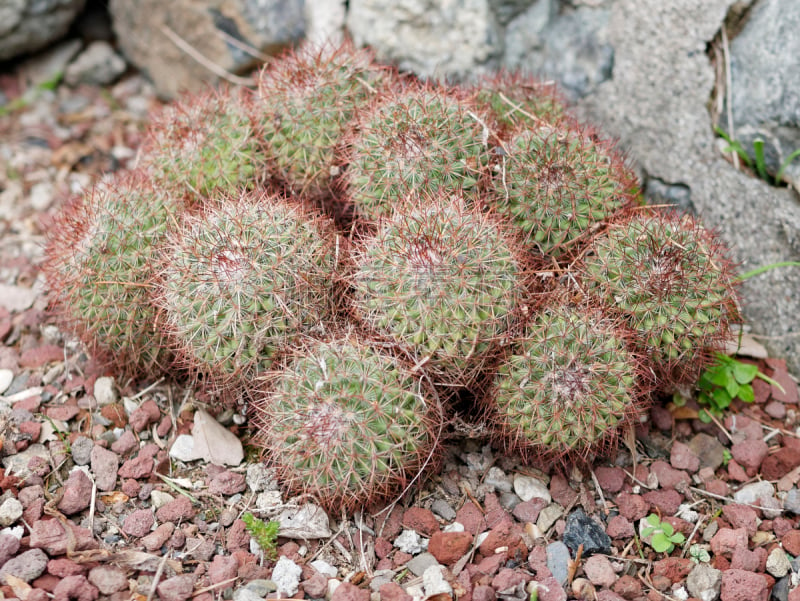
x,y
515,100
346,423
558,184
421,139
444,282
99,268
243,278
306,102
670,278
205,146
567,386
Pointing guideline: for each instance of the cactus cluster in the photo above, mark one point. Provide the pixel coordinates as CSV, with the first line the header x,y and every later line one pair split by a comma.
x,y
346,248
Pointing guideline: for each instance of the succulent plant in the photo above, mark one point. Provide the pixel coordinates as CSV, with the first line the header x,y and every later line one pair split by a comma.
x,y
567,387
346,423
205,146
99,269
242,278
421,139
306,102
557,185
515,99
444,282
670,278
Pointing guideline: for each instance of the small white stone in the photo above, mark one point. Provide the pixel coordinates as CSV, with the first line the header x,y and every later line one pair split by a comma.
x,y
778,563
286,576
159,498
10,511
6,377
333,584
183,449
104,391
528,488
42,195
751,493
324,568
680,594
433,582
454,527
245,594
409,541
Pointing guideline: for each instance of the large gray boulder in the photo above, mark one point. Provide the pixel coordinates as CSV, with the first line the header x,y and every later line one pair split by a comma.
x,y
656,104
184,44
29,25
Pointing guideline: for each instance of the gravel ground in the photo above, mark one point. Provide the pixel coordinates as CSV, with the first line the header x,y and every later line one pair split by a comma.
x,y
103,496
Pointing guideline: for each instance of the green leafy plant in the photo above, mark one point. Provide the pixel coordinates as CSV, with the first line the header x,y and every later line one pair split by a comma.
x,y
699,554
759,165
663,537
725,380
264,533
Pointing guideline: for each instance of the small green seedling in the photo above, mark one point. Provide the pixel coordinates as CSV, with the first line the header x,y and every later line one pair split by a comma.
x,y
726,379
699,554
264,533
759,165
663,537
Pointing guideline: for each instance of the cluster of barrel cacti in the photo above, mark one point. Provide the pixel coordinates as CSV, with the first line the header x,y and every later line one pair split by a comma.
x,y
349,249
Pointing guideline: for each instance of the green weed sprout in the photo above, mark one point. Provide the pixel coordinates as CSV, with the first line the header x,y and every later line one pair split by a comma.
x,y
663,537
264,533
698,554
759,165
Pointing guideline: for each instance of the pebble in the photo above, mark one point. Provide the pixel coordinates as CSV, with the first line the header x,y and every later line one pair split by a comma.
x,y
442,508
108,579
177,588
227,483
246,594
421,562
558,561
549,516
792,501
10,511
105,392
528,488
583,530
778,563
6,377
138,522
261,587
259,477
159,498
98,65
286,576
77,493
82,450
704,582
26,566
599,571
751,493
409,541
434,583
308,521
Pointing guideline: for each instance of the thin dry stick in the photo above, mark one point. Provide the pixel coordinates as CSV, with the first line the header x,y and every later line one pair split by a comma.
x,y
727,56
244,47
202,60
157,576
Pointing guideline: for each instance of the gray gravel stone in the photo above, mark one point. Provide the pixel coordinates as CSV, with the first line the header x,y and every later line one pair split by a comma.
x,y
82,450
792,501
442,508
28,25
419,564
98,65
10,511
749,494
286,576
558,561
704,582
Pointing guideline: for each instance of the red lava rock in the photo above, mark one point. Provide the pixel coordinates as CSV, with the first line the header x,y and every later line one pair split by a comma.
x,y
668,477
741,585
666,501
599,571
741,516
507,579
727,540
108,579
9,545
74,588
737,472
125,443
775,409
177,588
227,483
481,592
115,413
420,520
147,413
77,493
717,487
611,479
63,567
607,595
383,547
550,590
750,453
392,524
791,542
164,427
449,547
628,587
620,527
561,492
394,592
32,429
780,463
138,523
47,582
662,418
37,594
504,534
471,518
26,566
743,428
347,591
158,537
51,537
684,458
316,586
131,487
223,567
744,559
494,513
632,507
104,467
528,511
401,558
41,355
179,509
789,394
674,568
237,538
138,467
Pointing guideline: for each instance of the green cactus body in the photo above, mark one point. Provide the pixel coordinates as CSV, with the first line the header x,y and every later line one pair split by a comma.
x,y
517,100
567,386
206,146
443,282
99,270
346,424
242,279
557,185
669,277
420,140
306,102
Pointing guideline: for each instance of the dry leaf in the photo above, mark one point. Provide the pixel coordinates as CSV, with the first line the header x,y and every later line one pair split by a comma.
x,y
114,497
19,586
